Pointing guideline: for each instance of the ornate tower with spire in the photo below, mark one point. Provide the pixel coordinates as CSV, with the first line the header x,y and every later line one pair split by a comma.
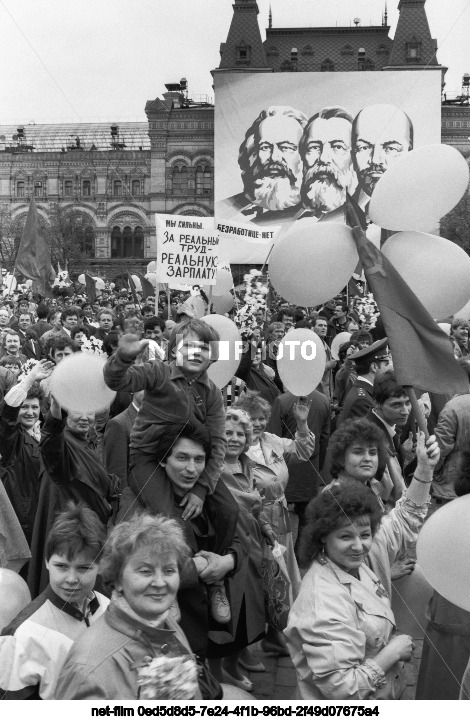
x,y
243,49
413,47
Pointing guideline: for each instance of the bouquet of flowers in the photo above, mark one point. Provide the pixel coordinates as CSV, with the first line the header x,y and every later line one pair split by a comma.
x,y
168,678
254,299
27,368
367,308
94,346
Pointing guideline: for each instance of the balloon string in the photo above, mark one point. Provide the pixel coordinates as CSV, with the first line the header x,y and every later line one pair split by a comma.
x,y
397,592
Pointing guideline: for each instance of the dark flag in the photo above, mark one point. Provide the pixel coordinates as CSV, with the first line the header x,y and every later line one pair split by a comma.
x,y
133,290
147,287
33,259
421,352
90,288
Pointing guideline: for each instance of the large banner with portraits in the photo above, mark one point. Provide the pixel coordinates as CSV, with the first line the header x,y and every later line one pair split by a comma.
x,y
294,147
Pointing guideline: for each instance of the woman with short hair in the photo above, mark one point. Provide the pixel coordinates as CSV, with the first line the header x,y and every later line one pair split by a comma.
x,y
118,657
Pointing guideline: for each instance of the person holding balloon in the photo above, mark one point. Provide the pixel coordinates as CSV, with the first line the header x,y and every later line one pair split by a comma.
x,y
342,634
271,456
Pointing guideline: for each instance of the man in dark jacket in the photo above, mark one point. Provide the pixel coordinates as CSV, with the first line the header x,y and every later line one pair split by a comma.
x,y
212,535
116,439
360,398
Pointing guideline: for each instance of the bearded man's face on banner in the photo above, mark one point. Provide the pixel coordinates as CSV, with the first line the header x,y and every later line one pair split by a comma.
x,y
328,171
273,180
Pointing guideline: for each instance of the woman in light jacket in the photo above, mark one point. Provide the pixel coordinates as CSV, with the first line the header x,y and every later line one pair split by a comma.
x,y
341,632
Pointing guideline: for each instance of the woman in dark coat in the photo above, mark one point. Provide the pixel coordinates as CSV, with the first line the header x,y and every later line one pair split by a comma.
x,y
21,465
76,473
245,588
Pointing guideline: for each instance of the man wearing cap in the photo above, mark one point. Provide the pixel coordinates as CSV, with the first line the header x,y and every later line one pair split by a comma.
x,y
368,361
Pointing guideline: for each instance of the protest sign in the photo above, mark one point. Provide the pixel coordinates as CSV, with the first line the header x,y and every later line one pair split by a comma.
x,y
244,242
187,250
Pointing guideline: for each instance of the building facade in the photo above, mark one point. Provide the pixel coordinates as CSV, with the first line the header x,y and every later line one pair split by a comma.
x,y
114,178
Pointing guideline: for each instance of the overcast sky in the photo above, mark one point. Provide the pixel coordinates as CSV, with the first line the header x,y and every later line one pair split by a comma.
x,y
103,59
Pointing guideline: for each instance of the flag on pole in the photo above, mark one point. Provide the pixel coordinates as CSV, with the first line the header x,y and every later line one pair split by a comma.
x,y
133,290
421,352
90,288
33,259
147,287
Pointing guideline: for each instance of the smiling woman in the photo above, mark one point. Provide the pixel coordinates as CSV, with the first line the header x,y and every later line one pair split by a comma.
x,y
141,563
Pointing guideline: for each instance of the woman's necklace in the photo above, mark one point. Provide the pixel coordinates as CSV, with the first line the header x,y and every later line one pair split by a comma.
x,y
234,467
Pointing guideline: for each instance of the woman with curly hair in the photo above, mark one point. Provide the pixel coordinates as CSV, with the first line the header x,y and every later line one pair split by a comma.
x,y
341,632
358,452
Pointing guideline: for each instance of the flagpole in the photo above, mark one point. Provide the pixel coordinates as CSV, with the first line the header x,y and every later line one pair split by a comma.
x,y
422,425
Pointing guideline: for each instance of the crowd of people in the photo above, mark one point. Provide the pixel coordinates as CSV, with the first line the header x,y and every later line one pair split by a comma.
x,y
156,545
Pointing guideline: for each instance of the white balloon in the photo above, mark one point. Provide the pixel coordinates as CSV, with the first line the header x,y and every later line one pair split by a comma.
x,y
337,342
419,189
312,263
301,361
224,282
446,327
464,312
78,385
437,270
81,278
442,551
223,303
152,267
152,278
14,595
99,283
223,370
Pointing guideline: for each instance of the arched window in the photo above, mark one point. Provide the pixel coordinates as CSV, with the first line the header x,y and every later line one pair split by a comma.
x,y
138,242
327,66
117,187
273,51
136,187
307,50
128,243
116,250
20,189
180,179
203,180
68,188
38,191
347,50
86,187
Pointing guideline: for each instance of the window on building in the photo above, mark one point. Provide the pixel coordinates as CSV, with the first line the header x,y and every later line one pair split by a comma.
x,y
413,50
327,66
86,188
84,236
243,53
382,50
273,51
203,180
68,188
136,187
117,187
128,243
347,50
286,66
20,189
138,242
38,188
307,50
180,179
